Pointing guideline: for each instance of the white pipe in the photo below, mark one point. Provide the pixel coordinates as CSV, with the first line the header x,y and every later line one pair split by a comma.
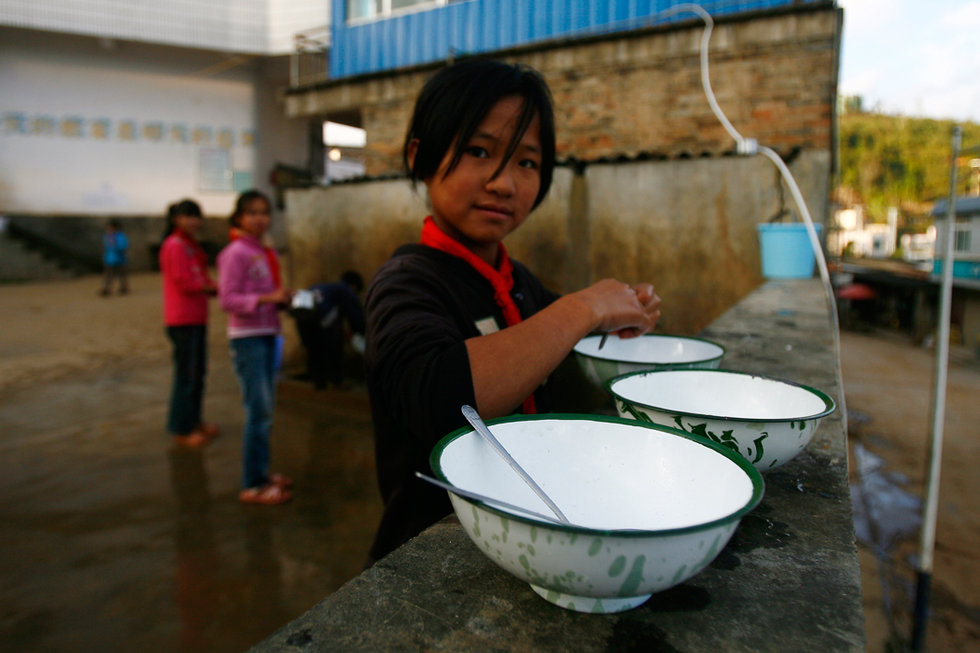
x,y
927,539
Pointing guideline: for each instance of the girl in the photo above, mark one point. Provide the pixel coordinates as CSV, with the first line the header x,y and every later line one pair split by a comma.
x,y
250,291
453,320
187,286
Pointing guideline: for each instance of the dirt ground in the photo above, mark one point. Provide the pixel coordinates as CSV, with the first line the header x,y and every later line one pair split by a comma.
x,y
54,329
888,385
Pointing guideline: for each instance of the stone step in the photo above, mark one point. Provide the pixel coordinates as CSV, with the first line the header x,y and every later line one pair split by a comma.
x,y
18,262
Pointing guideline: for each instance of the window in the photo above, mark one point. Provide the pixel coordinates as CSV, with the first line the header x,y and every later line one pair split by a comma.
x,y
962,242
343,151
371,9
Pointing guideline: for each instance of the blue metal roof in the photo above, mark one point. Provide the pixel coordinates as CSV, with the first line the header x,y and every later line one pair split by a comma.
x,y
480,26
967,205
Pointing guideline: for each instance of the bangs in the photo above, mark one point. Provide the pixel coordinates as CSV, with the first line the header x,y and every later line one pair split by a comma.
x,y
456,100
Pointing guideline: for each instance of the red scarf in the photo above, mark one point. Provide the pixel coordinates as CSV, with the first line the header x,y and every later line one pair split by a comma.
x,y
270,255
501,278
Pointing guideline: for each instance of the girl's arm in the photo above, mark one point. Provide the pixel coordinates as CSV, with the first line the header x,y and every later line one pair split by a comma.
x,y
232,294
508,365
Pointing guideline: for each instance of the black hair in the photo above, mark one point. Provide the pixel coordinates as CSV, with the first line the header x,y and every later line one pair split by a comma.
x,y
456,99
243,200
183,207
115,224
186,207
353,279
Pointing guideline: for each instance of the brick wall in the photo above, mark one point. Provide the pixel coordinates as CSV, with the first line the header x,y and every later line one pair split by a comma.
x,y
654,198
640,93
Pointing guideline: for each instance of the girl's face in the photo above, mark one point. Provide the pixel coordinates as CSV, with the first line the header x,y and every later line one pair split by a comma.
x,y
255,218
189,224
471,204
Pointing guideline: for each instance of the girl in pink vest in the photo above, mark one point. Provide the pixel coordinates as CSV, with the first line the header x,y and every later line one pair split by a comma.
x,y
251,292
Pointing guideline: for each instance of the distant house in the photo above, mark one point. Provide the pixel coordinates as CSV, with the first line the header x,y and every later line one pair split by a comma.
x,y
965,310
851,236
966,243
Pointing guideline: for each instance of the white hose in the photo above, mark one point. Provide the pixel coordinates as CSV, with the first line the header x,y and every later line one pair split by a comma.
x,y
749,146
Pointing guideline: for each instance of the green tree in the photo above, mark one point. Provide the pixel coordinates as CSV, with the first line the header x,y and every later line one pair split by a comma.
x,y
898,161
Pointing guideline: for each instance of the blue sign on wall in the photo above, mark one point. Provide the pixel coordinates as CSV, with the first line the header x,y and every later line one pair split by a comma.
x,y
962,269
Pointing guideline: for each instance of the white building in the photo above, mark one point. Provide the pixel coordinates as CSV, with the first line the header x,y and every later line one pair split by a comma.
x,y
856,237
120,107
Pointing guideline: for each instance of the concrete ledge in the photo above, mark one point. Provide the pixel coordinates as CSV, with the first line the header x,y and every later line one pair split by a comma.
x,y
788,579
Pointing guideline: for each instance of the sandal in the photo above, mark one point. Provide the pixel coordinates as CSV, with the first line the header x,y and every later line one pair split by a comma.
x,y
281,480
266,495
209,430
193,440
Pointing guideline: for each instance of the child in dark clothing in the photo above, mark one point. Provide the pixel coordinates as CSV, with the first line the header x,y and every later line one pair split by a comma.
x,y
453,320
322,320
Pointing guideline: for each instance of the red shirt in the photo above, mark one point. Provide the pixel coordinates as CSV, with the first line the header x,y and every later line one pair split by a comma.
x,y
185,280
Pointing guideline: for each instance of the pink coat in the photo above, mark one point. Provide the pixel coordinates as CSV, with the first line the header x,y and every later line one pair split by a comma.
x,y
243,275
183,265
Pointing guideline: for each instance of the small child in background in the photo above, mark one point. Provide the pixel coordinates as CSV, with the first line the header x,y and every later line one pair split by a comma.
x,y
329,314
187,287
250,290
454,320
114,246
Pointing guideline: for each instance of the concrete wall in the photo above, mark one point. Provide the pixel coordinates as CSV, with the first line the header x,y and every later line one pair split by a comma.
x,y
687,226
82,171
130,124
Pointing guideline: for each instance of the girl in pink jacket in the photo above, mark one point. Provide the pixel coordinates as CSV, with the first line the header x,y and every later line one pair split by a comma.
x,y
186,290
251,292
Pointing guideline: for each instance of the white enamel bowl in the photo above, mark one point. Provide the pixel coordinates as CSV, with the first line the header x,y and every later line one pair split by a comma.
x,y
649,352
766,420
652,506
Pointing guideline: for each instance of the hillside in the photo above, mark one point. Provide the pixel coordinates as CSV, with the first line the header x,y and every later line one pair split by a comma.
x,y
899,161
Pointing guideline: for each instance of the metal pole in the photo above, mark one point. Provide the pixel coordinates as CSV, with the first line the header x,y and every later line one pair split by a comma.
x,y
927,538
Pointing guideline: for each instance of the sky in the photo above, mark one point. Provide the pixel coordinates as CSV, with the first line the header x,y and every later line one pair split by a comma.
x,y
913,57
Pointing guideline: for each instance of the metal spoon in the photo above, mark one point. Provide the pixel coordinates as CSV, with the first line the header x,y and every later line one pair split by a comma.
x,y
474,419
469,494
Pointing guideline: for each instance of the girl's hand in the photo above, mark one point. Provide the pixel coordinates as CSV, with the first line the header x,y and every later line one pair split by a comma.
x,y
526,353
278,296
629,311
650,303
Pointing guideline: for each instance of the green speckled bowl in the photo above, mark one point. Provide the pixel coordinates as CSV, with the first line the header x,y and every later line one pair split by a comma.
x,y
766,420
652,505
653,351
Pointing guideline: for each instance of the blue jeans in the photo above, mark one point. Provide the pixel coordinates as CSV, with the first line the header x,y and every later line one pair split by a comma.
x,y
190,365
255,365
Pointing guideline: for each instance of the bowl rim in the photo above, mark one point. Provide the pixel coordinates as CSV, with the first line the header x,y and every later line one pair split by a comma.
x,y
671,336
829,404
755,477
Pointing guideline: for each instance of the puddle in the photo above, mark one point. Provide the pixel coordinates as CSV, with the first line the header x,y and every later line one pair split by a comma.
x,y
884,512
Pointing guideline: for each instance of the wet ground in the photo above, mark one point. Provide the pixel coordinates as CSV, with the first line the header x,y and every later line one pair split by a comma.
x,y
889,386
114,541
